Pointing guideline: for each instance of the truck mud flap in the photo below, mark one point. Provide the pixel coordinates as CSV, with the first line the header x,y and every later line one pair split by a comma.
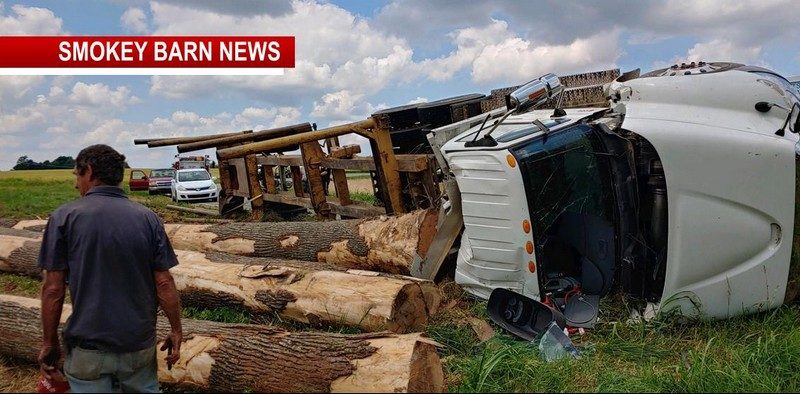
x,y
520,315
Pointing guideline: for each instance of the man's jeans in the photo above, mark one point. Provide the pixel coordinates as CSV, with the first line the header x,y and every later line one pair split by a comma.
x,y
93,371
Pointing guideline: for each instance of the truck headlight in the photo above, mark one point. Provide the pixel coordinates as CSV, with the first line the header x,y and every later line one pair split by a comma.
x,y
181,188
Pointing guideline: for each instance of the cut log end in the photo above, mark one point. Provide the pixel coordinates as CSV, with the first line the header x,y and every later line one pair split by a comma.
x,y
396,367
414,304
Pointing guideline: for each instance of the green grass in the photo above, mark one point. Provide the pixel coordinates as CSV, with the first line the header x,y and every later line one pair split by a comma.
x,y
23,198
36,193
368,198
357,175
757,353
19,285
221,314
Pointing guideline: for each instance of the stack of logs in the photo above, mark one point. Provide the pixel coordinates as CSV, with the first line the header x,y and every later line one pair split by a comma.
x,y
335,273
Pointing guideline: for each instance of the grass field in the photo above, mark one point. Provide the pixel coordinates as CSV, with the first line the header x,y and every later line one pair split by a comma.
x,y
757,353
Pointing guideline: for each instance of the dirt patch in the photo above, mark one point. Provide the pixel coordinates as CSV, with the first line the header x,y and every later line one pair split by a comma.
x,y
360,185
17,376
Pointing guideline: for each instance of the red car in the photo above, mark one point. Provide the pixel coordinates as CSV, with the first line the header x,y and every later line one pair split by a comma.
x,y
138,180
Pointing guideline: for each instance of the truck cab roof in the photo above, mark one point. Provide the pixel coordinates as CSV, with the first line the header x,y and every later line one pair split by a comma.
x,y
517,128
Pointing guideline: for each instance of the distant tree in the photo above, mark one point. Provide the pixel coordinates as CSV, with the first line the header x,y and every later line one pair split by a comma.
x,y
213,164
63,162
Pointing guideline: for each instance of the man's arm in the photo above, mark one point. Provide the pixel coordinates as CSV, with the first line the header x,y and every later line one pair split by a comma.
x,y
53,293
170,302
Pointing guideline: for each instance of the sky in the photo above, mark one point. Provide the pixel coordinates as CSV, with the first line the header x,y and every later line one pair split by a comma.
x,y
356,57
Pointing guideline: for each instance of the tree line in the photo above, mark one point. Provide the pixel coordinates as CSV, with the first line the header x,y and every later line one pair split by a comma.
x,y
61,162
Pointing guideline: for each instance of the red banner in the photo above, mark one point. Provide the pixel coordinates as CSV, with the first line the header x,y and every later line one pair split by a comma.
x,y
147,52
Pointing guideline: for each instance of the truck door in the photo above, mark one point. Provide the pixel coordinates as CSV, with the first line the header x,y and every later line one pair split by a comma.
x,y
138,180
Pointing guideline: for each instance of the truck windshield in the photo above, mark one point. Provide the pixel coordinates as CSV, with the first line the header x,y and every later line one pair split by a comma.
x,y
162,173
193,176
570,198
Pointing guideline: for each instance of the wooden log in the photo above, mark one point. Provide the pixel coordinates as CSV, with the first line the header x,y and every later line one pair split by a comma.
x,y
242,357
198,211
383,244
18,254
306,292
282,142
20,233
186,140
33,225
251,137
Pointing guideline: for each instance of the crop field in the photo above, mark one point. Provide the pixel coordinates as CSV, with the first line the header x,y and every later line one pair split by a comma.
x,y
756,353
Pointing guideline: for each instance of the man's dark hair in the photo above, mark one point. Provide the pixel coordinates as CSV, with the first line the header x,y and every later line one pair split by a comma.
x,y
107,164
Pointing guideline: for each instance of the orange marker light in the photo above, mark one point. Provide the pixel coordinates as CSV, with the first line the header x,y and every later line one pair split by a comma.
x,y
529,247
526,226
511,161
531,266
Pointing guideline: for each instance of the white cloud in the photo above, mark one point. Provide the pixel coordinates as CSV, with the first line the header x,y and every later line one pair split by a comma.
x,y
29,21
337,105
134,20
494,54
334,50
723,50
252,118
518,60
99,95
13,88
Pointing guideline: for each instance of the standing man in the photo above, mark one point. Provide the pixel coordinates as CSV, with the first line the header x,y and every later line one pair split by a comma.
x,y
115,257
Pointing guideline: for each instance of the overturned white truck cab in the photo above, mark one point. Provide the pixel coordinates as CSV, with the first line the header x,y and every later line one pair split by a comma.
x,y
681,192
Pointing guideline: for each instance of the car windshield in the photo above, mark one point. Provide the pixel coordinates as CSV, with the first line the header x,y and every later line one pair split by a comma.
x,y
163,173
193,176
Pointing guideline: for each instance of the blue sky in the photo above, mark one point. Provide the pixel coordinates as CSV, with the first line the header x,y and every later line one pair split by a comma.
x,y
355,57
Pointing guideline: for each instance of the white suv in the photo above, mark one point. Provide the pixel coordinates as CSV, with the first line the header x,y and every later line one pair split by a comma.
x,y
193,185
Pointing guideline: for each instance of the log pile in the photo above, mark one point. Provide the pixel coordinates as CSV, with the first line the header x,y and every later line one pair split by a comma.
x,y
340,273
241,357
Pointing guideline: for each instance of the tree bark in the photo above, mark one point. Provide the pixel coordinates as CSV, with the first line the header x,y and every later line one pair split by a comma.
x,y
19,253
384,244
242,357
306,292
20,233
